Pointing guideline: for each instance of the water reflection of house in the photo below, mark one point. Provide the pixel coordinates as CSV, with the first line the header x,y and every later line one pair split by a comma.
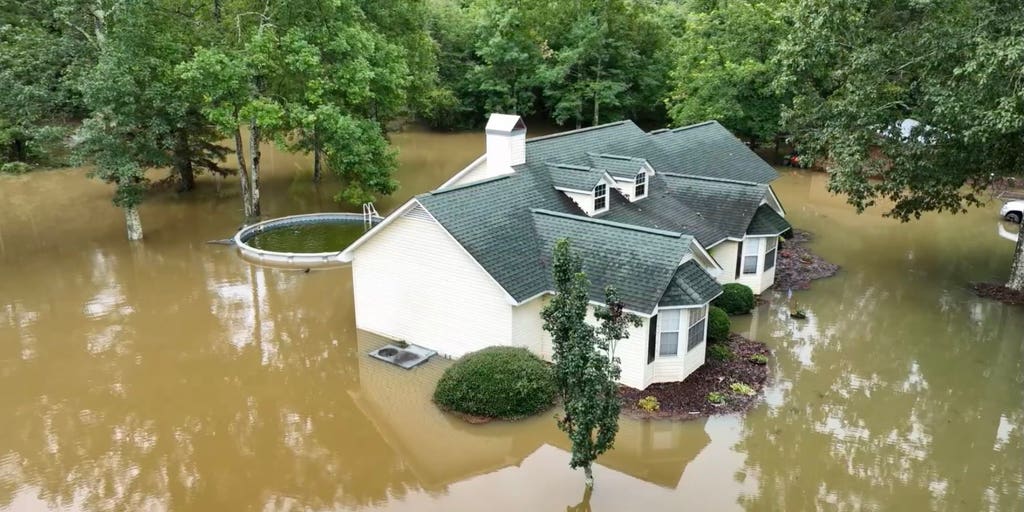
x,y
441,450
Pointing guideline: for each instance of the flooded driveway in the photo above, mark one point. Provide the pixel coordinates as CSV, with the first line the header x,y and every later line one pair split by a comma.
x,y
171,375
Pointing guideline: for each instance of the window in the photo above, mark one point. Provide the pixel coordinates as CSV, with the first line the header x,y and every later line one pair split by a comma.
x,y
669,332
652,339
640,188
750,251
698,317
600,197
769,257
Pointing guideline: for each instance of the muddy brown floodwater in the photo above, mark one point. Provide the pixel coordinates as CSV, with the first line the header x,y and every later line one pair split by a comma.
x,y
172,375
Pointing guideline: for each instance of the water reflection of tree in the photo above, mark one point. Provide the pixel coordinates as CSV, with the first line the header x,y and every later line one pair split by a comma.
x,y
169,414
898,399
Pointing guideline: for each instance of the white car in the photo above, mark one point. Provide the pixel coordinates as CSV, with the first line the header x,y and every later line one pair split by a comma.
x,y
1013,211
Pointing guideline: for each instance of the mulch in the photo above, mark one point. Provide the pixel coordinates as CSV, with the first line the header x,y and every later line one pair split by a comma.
x,y
688,399
796,266
998,292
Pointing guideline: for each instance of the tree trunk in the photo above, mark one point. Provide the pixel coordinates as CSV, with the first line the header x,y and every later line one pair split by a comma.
x,y
133,222
243,176
1016,281
254,174
183,163
588,476
316,156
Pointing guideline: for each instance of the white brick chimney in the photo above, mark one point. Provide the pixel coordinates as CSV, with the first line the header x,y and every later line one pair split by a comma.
x,y
506,143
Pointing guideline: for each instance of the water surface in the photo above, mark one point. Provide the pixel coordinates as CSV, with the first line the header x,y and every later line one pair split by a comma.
x,y
324,236
172,375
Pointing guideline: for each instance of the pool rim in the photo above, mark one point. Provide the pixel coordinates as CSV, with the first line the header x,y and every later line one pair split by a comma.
x,y
295,260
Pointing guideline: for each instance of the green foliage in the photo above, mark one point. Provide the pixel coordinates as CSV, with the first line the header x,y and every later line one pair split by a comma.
x,y
723,68
649,404
759,359
718,324
716,398
742,389
736,299
720,352
497,382
14,168
586,369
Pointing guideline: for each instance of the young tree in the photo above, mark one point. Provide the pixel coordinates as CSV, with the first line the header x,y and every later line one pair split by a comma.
x,y
859,69
586,370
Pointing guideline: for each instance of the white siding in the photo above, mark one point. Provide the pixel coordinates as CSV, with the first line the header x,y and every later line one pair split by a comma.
x,y
725,254
632,354
476,171
528,328
676,368
413,282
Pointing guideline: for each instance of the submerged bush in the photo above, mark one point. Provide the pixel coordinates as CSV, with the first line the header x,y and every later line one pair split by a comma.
x,y
14,168
718,324
649,404
497,382
736,299
720,352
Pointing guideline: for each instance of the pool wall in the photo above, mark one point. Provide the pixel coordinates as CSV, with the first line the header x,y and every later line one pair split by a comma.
x,y
295,260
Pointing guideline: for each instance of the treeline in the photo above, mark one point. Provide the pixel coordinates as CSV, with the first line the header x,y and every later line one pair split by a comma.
x,y
128,85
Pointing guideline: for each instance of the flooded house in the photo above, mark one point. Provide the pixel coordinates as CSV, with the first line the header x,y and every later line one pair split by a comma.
x,y
665,217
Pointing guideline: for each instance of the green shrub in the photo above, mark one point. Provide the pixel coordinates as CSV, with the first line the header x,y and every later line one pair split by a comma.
x,y
741,389
716,398
497,382
720,352
14,168
759,359
649,404
736,299
718,324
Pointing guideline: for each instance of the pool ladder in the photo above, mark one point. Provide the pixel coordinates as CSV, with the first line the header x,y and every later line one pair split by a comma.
x,y
369,214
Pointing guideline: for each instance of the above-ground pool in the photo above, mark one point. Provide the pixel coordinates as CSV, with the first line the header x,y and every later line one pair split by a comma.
x,y
302,241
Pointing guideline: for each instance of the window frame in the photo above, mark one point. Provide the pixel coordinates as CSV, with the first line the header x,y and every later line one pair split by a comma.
x,y
756,244
771,249
640,181
604,197
662,330
695,321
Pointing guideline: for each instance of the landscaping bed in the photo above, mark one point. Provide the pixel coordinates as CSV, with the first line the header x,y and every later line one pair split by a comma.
x,y
689,399
998,292
797,266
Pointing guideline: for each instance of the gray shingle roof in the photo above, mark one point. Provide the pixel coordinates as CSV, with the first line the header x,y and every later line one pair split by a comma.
x,y
497,220
625,167
767,221
573,177
690,286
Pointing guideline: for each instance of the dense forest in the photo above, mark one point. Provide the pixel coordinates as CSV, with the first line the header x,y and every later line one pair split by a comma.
x,y
130,85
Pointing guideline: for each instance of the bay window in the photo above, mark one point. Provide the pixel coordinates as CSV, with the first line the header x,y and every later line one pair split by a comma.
x,y
769,257
695,336
751,249
669,331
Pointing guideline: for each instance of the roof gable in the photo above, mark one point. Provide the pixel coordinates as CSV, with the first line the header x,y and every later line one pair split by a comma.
x,y
690,285
625,167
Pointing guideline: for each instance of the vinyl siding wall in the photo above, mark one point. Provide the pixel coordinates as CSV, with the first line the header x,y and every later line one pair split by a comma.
x,y
674,368
725,254
413,282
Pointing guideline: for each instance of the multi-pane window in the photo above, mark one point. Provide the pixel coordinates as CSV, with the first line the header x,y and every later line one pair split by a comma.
x,y
769,257
696,334
669,320
640,189
751,248
600,197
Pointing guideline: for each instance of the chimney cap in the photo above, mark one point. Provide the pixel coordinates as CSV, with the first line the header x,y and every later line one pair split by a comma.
x,y
505,123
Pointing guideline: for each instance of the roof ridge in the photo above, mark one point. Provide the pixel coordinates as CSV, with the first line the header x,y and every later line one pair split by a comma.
x,y
695,125
710,178
570,167
437,191
616,157
578,130
662,232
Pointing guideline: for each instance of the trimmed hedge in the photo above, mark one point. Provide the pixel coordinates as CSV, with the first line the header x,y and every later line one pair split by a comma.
x,y
736,299
497,382
718,324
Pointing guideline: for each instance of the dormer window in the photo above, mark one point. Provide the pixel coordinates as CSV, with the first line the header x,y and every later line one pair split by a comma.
x,y
600,198
640,186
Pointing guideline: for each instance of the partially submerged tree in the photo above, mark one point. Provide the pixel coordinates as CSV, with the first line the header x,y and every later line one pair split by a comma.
x,y
586,370
860,69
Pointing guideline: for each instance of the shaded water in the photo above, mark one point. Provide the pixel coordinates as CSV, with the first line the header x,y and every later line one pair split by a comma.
x,y
173,375
314,237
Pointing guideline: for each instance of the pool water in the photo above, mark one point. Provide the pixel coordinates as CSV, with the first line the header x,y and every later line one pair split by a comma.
x,y
312,237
